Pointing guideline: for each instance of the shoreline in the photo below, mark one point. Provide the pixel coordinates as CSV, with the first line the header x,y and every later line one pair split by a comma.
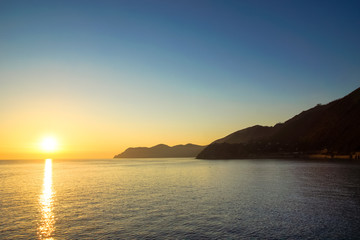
x,y
355,157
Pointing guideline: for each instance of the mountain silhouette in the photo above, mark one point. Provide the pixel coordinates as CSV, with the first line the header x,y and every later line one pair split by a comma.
x,y
162,151
329,129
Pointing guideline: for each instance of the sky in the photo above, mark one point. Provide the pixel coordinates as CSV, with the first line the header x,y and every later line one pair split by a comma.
x,y
102,76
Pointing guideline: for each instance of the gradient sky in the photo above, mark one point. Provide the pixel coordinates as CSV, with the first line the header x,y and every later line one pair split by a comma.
x,y
102,76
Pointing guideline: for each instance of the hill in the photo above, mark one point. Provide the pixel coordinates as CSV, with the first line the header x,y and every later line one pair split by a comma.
x,y
162,151
331,129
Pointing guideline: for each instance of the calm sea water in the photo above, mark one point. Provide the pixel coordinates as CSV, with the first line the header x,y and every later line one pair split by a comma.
x,y
179,199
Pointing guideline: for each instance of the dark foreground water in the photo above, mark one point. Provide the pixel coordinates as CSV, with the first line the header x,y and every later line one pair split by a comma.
x,y
179,199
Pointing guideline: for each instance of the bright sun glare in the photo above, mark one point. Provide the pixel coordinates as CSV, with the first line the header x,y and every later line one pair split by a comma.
x,y
49,144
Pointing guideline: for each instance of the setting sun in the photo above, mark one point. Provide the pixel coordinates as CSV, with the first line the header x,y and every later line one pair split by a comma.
x,y
49,144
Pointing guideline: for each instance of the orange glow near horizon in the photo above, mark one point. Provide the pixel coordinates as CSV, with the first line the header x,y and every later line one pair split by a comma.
x,y
84,128
73,140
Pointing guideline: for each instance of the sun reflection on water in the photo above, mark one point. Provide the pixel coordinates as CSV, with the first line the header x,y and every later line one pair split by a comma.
x,y
46,226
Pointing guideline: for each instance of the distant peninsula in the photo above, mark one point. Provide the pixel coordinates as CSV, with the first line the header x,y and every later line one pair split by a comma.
x,y
324,131
162,151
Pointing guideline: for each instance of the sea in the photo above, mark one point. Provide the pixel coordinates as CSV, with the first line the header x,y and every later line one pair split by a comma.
x,y
179,198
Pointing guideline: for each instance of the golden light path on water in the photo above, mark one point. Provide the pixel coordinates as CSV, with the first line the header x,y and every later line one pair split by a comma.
x,y
46,227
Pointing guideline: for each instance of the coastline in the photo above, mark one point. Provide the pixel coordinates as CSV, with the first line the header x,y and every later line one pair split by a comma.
x,y
355,156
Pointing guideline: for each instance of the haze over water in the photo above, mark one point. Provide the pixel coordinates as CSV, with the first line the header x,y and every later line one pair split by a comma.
x,y
179,198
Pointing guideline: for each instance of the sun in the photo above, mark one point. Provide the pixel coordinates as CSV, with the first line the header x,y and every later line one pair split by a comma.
x,y
49,144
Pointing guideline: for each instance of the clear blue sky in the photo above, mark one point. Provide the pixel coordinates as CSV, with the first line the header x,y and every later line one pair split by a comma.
x,y
196,69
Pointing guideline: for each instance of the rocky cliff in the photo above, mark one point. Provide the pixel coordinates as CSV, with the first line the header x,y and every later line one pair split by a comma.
x,y
331,129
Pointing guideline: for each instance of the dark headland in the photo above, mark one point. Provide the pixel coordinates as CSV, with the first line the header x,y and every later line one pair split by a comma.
x,y
162,151
324,131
